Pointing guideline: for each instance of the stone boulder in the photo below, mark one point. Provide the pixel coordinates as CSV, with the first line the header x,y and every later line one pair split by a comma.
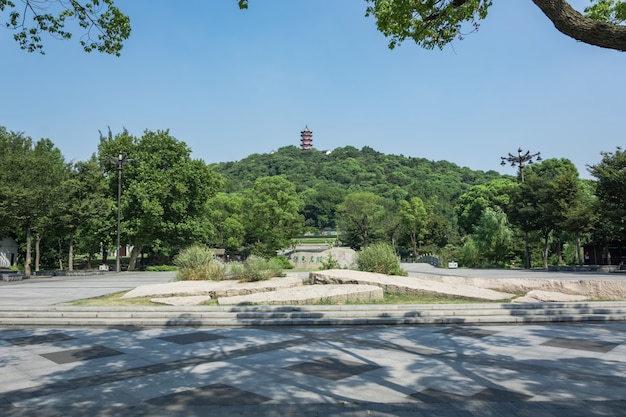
x,y
406,285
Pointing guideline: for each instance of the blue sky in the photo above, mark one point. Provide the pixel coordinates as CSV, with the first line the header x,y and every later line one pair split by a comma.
x,y
230,83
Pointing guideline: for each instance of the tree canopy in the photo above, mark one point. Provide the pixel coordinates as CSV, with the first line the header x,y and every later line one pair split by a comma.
x,y
430,24
436,23
104,26
164,190
611,189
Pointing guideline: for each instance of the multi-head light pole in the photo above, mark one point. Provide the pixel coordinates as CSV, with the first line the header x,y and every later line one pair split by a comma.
x,y
520,161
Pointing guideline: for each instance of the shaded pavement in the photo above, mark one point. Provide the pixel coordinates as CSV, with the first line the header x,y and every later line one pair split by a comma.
x,y
299,371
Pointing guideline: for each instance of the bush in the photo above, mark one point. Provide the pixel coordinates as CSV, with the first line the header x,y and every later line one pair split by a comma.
x,y
193,257
380,258
256,268
198,263
330,263
283,262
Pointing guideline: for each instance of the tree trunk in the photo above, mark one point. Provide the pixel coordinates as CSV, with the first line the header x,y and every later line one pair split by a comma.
x,y
546,246
578,250
575,25
28,252
133,256
70,255
37,252
414,244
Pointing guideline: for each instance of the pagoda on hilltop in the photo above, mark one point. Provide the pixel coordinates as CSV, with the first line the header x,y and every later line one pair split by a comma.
x,y
306,139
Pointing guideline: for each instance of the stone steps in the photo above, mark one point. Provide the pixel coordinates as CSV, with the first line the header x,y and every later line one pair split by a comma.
x,y
358,314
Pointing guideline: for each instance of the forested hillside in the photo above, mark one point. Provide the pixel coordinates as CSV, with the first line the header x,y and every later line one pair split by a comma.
x,y
325,178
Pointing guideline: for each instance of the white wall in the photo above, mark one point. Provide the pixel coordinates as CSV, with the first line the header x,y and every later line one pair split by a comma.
x,y
8,247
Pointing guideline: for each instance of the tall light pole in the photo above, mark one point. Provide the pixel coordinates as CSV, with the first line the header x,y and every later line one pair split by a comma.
x,y
521,160
119,162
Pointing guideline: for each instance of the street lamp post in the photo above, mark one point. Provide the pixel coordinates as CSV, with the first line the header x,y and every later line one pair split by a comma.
x,y
521,160
119,162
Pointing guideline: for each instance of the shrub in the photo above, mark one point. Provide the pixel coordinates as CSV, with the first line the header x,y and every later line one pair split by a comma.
x,y
330,263
193,257
256,268
198,263
380,258
283,262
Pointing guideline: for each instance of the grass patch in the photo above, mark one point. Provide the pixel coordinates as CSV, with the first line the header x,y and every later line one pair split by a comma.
x,y
391,299
314,240
113,300
161,268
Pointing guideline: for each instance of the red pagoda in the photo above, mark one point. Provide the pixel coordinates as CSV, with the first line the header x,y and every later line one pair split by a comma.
x,y
306,139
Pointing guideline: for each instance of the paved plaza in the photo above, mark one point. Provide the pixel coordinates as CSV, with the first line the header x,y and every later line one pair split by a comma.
x,y
538,370
531,370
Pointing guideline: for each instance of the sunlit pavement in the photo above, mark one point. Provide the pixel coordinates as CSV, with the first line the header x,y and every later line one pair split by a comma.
x,y
538,370
443,370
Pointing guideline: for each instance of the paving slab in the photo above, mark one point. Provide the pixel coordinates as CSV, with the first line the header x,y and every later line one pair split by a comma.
x,y
300,371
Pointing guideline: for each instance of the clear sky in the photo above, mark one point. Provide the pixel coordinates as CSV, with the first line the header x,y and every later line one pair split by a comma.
x,y
230,83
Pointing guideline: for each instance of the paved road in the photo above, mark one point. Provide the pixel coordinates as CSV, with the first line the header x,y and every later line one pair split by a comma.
x,y
49,291
417,268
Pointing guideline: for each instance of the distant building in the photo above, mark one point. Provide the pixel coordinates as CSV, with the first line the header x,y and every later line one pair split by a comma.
x,y
8,252
611,253
306,139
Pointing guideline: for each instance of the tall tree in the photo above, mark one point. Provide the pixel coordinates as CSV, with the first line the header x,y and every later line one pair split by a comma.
x,y
88,201
414,220
543,199
610,174
164,190
320,204
361,218
271,215
225,214
30,179
493,236
495,194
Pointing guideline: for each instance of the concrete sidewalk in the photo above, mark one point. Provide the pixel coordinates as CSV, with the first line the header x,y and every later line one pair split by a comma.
x,y
548,370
